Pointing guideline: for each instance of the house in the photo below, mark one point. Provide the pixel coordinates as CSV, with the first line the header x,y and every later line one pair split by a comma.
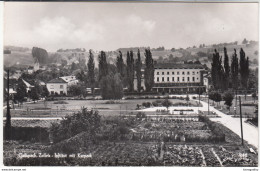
x,y
57,86
28,86
71,80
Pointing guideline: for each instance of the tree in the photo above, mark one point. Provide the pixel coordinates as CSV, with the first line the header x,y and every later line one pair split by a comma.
x,y
217,71
76,90
138,71
102,65
244,41
45,92
87,121
167,103
254,96
130,70
34,94
149,70
234,70
21,91
111,86
228,98
91,73
227,69
120,64
244,68
40,55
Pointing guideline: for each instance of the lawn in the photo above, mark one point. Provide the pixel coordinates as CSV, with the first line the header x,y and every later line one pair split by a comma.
x,y
118,107
247,111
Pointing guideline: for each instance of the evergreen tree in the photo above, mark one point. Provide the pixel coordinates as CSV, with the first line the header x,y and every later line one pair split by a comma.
x,y
217,71
244,69
227,69
120,64
234,70
149,70
91,73
102,66
130,70
138,71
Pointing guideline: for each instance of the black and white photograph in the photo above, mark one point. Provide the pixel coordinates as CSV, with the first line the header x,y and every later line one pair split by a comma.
x,y
126,83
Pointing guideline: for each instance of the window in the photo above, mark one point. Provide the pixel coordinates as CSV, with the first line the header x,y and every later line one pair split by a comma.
x,y
61,86
162,79
183,73
182,78
168,73
162,73
61,92
188,78
188,73
172,78
197,72
168,78
52,92
193,78
178,78
158,73
172,73
193,73
158,79
178,73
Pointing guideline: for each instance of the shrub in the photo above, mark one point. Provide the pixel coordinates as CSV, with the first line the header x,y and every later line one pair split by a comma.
x,y
61,102
148,125
83,121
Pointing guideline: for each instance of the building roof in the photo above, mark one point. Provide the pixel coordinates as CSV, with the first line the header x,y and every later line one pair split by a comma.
x,y
57,80
178,66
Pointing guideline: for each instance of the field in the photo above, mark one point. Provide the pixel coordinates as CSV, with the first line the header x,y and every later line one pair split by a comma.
x,y
145,142
52,109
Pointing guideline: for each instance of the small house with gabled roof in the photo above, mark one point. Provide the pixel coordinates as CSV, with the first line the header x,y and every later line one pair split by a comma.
x,y
57,86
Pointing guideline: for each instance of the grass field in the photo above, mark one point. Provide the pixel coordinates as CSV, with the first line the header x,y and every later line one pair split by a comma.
x,y
246,110
123,107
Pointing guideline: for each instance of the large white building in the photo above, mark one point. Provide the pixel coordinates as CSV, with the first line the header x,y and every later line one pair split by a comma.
x,y
177,78
57,86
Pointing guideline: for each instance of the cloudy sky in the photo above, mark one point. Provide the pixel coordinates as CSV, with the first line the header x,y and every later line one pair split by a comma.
x,y
109,26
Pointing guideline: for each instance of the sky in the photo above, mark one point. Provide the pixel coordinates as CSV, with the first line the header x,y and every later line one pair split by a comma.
x,y
109,26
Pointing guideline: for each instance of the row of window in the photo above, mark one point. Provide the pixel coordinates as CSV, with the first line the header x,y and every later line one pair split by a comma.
x,y
52,87
178,79
178,73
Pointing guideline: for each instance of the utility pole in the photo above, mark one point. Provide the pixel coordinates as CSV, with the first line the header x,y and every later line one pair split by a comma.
x,y
208,99
8,114
241,120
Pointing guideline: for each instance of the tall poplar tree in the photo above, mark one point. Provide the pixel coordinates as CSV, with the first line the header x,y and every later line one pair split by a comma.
x,y
227,69
120,64
138,71
102,65
217,71
130,70
91,73
244,69
234,70
149,70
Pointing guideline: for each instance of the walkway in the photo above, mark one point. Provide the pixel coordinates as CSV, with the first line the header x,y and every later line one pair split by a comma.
x,y
250,132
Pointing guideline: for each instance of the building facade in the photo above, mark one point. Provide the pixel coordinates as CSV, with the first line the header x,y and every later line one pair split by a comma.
x,y
57,86
178,78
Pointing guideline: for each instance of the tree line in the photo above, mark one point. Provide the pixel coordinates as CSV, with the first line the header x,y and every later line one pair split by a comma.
x,y
234,75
